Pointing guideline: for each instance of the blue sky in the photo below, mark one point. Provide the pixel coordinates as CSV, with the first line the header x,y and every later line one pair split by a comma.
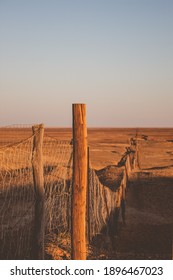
x,y
114,55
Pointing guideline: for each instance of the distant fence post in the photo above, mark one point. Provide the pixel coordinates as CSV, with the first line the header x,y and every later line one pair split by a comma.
x,y
137,165
37,165
79,189
137,155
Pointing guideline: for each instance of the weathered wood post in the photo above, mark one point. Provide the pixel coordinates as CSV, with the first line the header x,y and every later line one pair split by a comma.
x,y
37,165
79,189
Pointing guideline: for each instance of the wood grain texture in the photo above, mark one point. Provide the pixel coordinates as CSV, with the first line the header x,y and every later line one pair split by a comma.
x,y
79,182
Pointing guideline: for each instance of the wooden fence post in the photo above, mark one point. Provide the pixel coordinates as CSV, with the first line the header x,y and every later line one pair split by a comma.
x,y
37,165
79,189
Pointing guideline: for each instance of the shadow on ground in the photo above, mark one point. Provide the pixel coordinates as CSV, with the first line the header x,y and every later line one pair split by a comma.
x,y
148,232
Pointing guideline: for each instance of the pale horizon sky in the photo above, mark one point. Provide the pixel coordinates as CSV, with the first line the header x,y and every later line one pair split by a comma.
x,y
116,56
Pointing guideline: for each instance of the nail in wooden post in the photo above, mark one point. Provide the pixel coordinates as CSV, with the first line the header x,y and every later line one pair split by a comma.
x,y
79,190
37,164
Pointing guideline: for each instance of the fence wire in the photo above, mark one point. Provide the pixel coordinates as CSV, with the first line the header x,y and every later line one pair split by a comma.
x,y
17,194
105,203
17,200
57,157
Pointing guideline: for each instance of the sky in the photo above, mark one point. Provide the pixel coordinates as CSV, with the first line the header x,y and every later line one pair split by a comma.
x,y
116,56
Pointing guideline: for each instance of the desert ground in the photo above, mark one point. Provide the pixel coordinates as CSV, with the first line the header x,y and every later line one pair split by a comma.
x,y
148,229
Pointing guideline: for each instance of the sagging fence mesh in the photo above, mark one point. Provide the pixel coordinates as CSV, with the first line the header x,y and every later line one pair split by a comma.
x,y
18,197
105,202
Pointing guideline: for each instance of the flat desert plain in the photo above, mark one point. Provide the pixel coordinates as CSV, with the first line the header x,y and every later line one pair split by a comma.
x,y
148,231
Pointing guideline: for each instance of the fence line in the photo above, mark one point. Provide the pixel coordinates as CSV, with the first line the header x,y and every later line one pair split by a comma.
x,y
18,197
104,202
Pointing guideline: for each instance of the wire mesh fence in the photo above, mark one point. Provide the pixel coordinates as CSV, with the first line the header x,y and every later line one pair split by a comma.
x,y
17,200
17,193
104,202
57,156
18,197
